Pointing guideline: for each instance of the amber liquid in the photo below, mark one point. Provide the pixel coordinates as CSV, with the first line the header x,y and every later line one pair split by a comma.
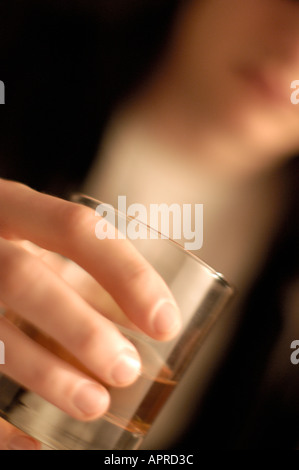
x,y
134,408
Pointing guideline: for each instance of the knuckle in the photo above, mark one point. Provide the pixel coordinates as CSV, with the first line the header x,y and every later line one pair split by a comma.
x,y
86,339
19,271
72,218
38,377
138,273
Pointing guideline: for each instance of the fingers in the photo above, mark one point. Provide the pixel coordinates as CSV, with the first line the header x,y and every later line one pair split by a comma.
x,y
35,368
69,229
13,439
30,288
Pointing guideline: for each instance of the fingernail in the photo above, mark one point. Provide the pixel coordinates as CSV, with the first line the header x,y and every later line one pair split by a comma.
x,y
22,443
127,367
91,399
166,319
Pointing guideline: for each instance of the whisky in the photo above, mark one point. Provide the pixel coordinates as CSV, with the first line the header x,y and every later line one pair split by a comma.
x,y
135,407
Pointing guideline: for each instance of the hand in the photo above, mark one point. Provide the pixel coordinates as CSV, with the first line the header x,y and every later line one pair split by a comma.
x,y
13,439
37,294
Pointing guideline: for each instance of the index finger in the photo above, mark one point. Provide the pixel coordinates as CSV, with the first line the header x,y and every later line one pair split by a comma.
x,y
69,229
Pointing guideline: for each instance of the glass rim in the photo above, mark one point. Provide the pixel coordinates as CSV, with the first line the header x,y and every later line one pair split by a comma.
x,y
76,197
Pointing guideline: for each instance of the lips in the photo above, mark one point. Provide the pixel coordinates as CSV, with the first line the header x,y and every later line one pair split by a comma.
x,y
268,84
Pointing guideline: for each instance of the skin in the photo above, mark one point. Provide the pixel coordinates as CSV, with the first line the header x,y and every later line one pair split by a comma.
x,y
242,96
39,295
226,76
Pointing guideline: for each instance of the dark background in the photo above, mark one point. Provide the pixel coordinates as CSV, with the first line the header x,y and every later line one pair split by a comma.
x,y
66,65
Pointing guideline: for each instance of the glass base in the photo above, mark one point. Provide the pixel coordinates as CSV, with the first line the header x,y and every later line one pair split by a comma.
x,y
58,431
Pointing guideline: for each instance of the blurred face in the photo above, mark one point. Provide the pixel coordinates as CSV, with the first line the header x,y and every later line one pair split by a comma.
x,y
235,61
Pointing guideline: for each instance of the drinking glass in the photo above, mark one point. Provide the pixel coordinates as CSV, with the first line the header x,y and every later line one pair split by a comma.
x,y
201,295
